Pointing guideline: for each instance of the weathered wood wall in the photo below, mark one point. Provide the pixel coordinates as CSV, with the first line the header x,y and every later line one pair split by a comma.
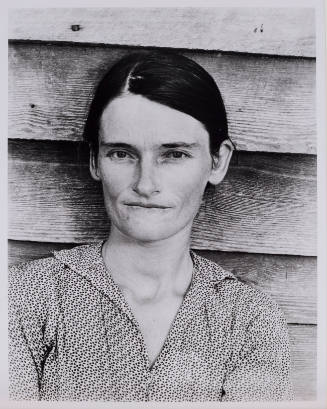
x,y
260,222
270,101
250,30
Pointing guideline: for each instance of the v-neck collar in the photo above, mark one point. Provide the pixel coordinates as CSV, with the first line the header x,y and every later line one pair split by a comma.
x,y
87,261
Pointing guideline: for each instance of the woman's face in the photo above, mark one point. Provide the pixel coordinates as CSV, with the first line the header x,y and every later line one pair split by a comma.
x,y
154,164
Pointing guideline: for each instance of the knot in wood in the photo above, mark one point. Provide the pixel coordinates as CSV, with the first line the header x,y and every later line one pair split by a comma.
x,y
75,27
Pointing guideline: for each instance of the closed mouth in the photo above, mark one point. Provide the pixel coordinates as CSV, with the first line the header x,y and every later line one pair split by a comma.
x,y
146,205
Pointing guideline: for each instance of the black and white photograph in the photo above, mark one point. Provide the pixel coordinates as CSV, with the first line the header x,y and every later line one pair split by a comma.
x,y
163,226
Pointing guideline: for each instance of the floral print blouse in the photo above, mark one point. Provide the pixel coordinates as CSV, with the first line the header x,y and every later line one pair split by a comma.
x,y
74,337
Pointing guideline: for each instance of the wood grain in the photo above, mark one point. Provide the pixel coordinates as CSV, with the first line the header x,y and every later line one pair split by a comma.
x,y
270,101
289,280
281,31
302,337
266,204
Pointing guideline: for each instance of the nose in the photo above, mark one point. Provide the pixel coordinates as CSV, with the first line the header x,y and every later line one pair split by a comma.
x,y
146,183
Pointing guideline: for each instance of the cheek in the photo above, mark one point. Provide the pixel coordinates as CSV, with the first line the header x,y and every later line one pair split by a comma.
x,y
190,184
115,180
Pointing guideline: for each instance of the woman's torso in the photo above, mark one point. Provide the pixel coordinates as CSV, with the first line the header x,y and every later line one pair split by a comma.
x,y
85,343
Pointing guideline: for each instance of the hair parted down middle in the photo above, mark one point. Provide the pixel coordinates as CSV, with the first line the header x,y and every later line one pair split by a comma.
x,y
167,78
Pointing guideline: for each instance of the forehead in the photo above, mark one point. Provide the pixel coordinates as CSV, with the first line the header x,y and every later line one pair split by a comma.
x,y
134,118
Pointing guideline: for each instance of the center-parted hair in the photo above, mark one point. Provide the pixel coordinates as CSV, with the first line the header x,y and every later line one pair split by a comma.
x,y
168,78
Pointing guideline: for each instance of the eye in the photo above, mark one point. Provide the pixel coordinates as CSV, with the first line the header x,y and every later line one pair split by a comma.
x,y
176,155
119,154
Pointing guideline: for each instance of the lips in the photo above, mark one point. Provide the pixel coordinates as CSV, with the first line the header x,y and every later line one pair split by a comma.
x,y
146,205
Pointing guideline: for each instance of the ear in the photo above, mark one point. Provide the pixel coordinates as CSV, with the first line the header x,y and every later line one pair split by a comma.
x,y
94,166
220,162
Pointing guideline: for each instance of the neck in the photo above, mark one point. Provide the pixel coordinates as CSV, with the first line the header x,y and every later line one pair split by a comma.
x,y
149,271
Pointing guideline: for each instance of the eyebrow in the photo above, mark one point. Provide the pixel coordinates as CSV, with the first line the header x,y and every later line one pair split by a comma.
x,y
116,145
164,145
180,145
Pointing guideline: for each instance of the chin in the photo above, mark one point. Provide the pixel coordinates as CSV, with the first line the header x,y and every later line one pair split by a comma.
x,y
147,234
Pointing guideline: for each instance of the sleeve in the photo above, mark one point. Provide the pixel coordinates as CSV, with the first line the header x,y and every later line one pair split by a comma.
x,y
260,369
25,328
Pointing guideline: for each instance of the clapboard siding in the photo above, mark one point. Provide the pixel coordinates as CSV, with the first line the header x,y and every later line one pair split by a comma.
x,y
289,280
266,204
282,31
302,337
270,100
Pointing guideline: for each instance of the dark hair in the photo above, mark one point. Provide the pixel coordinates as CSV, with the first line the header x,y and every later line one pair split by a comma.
x,y
169,79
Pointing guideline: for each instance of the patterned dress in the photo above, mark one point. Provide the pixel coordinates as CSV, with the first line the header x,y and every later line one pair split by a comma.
x,y
74,337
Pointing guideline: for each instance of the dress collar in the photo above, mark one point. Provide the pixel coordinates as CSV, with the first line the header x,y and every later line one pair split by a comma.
x,y
87,261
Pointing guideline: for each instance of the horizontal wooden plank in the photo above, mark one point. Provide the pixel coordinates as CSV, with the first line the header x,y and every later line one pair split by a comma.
x,y
270,101
282,31
300,272
289,280
266,204
303,339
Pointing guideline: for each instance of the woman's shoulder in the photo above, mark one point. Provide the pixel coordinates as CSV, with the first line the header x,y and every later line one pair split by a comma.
x,y
42,269
37,278
45,268
32,284
38,270
244,298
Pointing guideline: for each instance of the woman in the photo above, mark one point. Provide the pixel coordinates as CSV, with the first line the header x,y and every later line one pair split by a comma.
x,y
139,316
